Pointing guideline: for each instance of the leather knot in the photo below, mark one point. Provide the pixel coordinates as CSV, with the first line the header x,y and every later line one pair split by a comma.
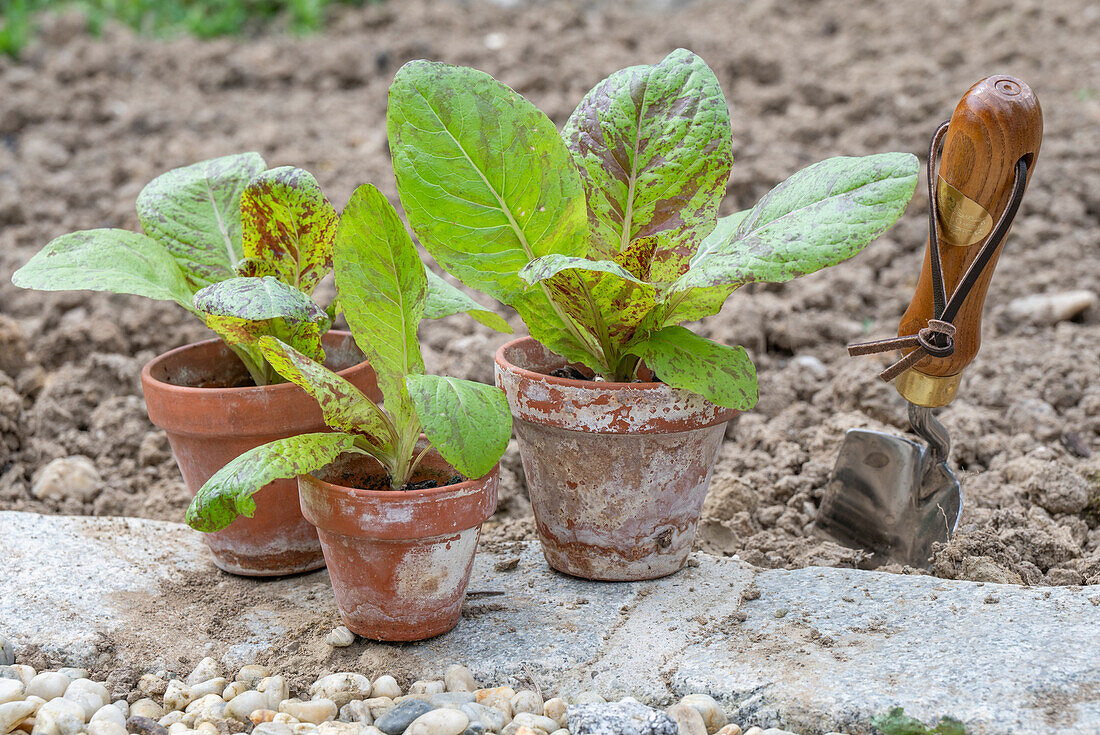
x,y
938,338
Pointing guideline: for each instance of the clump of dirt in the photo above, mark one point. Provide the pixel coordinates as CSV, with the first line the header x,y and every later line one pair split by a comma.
x,y
88,121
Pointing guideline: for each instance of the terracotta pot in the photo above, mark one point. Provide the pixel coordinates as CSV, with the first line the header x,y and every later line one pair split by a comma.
x,y
209,423
617,472
399,561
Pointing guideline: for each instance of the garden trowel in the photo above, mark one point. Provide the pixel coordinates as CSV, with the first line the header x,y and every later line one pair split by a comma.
x,y
893,496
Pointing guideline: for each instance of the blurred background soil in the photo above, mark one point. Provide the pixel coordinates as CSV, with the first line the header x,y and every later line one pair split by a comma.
x,y
86,121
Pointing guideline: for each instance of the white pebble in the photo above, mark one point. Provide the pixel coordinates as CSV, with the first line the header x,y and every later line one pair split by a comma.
x,y
105,727
109,713
207,728
341,688
427,687
688,720
275,688
386,686
252,674
67,477
26,673
12,713
459,679
146,708
439,722
1051,308
527,701
207,669
272,728
315,711
533,721
338,728
371,730
730,729
152,685
11,690
491,718
357,712
755,731
123,707
73,673
205,706
95,692
588,698
562,731
378,706
59,717
244,704
234,688
172,718
216,685
340,637
177,727
7,652
48,685
178,695
303,728
498,697
714,717
555,709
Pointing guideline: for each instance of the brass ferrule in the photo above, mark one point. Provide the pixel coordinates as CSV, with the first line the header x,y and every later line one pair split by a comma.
x,y
931,391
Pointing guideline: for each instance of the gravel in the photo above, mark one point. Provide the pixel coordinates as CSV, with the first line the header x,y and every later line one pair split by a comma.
x,y
66,702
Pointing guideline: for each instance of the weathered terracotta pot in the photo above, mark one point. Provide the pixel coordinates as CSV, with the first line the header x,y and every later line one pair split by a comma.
x,y
617,472
399,561
209,423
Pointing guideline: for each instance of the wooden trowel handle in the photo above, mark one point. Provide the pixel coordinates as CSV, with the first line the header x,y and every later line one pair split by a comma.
x,y
996,123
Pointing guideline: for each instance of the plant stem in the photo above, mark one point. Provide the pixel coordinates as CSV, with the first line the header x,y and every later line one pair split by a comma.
x,y
256,371
628,365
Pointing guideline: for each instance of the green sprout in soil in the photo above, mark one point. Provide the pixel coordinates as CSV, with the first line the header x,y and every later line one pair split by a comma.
x,y
199,18
896,722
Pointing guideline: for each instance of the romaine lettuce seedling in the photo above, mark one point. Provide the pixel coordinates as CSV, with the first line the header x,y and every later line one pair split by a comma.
x,y
383,290
606,237
237,246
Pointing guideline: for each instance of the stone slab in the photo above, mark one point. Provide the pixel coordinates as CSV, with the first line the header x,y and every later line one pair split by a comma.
x,y
811,650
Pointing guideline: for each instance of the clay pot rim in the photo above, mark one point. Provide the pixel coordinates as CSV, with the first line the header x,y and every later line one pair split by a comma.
x,y
182,391
570,382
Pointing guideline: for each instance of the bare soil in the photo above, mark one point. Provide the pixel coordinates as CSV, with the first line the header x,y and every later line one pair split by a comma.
x,y
85,122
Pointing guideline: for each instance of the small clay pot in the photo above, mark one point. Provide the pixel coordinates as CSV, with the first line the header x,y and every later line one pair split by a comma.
x,y
399,561
617,472
189,394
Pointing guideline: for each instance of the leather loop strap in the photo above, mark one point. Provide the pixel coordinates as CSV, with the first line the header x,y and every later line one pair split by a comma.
x,y
936,340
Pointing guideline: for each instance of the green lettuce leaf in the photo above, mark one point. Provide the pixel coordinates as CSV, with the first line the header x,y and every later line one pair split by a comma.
x,y
241,310
343,406
195,212
382,286
488,185
229,492
118,261
445,300
288,227
723,375
696,303
468,423
601,295
817,218
655,148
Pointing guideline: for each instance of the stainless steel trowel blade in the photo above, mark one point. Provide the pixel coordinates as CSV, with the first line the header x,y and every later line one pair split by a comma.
x,y
889,496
